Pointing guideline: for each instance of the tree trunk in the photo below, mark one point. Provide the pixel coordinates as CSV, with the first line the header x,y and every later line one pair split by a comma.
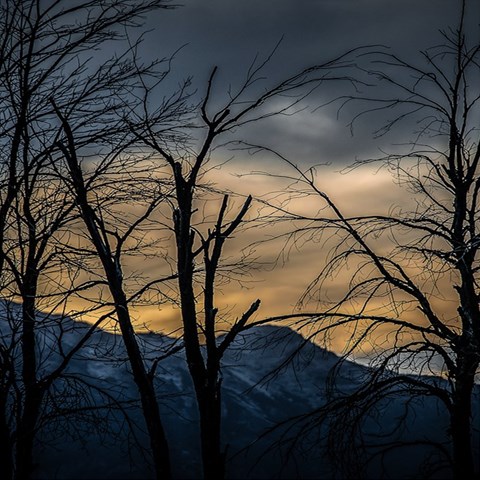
x,y
210,427
151,413
460,423
112,269
206,390
26,434
204,373
33,394
6,463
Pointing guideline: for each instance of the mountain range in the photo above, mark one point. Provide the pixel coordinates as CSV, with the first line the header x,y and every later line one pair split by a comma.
x,y
260,390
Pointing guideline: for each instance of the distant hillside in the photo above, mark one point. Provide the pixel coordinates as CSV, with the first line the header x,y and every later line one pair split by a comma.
x,y
254,401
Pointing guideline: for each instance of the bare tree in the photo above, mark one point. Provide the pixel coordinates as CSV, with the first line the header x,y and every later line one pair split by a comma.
x,y
185,165
48,76
403,263
110,257
43,55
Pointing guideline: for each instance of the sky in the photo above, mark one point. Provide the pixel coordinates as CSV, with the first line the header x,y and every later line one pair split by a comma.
x,y
230,35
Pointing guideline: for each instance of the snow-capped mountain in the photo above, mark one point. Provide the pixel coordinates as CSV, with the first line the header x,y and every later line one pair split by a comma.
x,y
260,390
253,402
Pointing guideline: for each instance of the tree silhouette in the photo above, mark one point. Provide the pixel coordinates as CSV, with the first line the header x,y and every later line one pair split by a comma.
x,y
403,263
197,279
44,55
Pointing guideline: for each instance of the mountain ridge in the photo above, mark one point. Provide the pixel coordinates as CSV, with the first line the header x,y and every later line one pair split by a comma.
x,y
254,401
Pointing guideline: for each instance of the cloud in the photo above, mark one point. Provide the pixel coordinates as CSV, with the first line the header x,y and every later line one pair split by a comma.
x,y
230,34
279,288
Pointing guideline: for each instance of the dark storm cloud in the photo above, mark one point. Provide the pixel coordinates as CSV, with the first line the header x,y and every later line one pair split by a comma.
x,y
230,33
